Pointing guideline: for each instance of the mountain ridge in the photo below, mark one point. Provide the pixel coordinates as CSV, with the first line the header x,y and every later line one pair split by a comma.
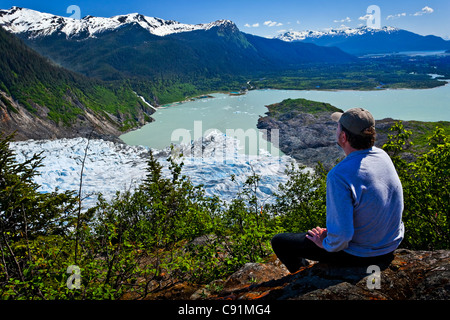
x,y
38,24
365,40
302,35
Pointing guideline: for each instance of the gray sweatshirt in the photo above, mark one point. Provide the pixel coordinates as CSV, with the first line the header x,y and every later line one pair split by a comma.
x,y
364,205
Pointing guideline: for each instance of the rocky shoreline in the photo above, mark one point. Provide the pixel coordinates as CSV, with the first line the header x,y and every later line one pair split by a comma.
x,y
310,137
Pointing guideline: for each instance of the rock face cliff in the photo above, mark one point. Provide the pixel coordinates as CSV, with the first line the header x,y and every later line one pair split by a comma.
x,y
412,275
37,126
307,133
308,136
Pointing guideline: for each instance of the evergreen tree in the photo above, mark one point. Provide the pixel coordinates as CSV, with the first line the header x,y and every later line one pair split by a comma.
x,y
26,215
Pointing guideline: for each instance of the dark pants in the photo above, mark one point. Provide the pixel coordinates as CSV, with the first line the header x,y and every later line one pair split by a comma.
x,y
293,248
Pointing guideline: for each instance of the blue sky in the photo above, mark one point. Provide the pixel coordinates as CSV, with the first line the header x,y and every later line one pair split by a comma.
x,y
267,17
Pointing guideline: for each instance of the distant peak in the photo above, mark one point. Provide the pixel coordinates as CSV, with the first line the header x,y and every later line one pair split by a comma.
x,y
15,8
301,35
223,23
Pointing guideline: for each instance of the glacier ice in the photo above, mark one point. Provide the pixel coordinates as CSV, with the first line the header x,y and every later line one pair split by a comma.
x,y
111,167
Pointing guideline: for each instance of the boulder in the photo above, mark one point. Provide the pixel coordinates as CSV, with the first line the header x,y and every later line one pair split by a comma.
x,y
412,275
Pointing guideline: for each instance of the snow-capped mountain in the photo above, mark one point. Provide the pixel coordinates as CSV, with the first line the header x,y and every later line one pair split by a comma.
x,y
365,40
37,24
347,32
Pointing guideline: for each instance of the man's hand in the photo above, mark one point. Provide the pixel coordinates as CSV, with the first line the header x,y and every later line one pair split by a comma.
x,y
317,235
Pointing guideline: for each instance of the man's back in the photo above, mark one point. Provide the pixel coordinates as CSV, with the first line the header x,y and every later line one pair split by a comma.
x,y
364,205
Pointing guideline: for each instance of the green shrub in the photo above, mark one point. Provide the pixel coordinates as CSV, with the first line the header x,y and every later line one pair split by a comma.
x,y
301,201
30,222
425,186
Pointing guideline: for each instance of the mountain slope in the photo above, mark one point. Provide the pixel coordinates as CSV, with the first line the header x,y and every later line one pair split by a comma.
x,y
41,100
129,46
365,40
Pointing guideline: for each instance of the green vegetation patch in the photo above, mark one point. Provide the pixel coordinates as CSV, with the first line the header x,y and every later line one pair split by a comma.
x,y
296,106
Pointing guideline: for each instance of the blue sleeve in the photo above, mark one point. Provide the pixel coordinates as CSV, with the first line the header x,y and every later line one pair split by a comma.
x,y
339,214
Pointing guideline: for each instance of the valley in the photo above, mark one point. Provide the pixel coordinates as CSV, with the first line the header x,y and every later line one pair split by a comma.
x,y
149,158
104,78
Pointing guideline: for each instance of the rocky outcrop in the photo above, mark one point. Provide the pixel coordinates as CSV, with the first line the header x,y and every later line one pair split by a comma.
x,y
412,275
311,137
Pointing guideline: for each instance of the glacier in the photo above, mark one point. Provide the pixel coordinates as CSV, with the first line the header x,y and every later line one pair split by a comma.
x,y
111,167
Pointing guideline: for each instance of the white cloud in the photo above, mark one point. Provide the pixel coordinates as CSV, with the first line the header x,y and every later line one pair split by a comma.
x,y
272,23
425,10
395,16
428,9
366,17
255,25
343,20
298,21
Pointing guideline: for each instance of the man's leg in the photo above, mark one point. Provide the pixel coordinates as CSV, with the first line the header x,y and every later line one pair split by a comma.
x,y
293,248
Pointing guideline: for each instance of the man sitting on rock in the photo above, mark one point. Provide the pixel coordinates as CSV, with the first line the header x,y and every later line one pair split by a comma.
x,y
364,204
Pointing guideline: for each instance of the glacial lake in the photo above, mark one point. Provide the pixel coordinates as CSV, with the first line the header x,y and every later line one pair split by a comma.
x,y
185,121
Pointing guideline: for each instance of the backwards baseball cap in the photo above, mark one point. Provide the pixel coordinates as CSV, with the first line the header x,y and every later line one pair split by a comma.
x,y
354,120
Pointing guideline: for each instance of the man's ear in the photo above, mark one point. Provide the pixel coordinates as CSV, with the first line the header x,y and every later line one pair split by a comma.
x,y
343,136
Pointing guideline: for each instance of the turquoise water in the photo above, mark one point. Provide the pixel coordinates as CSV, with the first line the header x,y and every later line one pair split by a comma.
x,y
181,122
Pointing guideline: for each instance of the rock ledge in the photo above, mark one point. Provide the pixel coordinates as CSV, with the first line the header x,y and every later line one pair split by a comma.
x,y
412,275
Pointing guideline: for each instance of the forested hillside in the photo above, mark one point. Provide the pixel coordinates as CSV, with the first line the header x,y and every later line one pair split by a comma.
x,y
31,84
